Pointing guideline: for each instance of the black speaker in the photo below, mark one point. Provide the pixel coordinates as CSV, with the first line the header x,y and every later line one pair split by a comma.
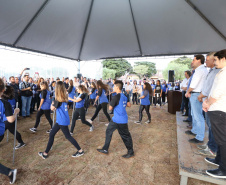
x,y
79,75
171,76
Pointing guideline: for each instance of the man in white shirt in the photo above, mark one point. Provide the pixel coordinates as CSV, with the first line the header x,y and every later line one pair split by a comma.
x,y
210,148
128,89
215,105
199,76
183,87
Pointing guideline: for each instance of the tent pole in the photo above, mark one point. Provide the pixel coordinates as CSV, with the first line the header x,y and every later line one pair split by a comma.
x,y
135,27
84,34
30,22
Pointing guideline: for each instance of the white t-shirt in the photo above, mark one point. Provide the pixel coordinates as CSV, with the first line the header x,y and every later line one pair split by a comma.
x,y
218,92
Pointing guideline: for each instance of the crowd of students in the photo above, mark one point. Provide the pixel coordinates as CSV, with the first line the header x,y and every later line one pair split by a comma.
x,y
47,97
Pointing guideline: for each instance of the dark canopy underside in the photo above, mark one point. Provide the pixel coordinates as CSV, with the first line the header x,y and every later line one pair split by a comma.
x,y
96,29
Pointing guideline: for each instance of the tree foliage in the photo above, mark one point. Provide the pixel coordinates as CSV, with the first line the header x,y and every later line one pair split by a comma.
x,y
178,71
179,66
146,69
183,61
121,66
108,73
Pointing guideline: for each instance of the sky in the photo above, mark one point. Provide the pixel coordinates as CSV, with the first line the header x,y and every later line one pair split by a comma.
x,y
13,61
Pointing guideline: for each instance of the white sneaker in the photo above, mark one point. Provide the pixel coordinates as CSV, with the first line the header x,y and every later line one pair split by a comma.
x,y
106,124
148,121
33,129
137,122
91,128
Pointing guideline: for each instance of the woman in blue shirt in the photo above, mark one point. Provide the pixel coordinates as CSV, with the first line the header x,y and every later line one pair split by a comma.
x,y
103,100
145,103
71,93
93,93
8,96
80,110
6,113
62,121
44,107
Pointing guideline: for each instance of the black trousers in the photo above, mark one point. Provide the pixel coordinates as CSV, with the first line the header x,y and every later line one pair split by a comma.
x,y
20,104
4,170
218,126
186,102
147,108
67,135
163,97
99,107
37,97
135,98
123,132
157,100
82,113
47,115
11,128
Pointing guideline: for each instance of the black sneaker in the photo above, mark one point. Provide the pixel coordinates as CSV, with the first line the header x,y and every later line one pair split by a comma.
x,y
128,155
78,154
194,140
48,131
20,145
211,161
42,155
217,173
188,132
33,129
102,151
12,176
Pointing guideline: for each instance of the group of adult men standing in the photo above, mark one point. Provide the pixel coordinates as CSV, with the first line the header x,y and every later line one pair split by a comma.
x,y
204,98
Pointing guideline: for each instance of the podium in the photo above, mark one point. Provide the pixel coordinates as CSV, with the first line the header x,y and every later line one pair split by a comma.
x,y
174,99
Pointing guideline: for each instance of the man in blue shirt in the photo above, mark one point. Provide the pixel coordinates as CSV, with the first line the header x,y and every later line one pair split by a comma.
x,y
119,121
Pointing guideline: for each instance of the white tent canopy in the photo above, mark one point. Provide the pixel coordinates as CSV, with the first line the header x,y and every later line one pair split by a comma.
x,y
97,29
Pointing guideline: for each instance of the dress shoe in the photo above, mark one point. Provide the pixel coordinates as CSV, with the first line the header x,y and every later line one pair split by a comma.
x,y
217,173
194,140
188,132
186,120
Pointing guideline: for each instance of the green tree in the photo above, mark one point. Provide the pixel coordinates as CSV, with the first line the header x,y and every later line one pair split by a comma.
x,y
108,73
147,69
178,70
183,61
121,66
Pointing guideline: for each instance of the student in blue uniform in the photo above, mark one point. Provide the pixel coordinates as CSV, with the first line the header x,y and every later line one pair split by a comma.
x,y
102,89
93,93
164,91
71,93
44,107
80,109
119,121
145,103
152,99
62,121
8,95
6,113
158,93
